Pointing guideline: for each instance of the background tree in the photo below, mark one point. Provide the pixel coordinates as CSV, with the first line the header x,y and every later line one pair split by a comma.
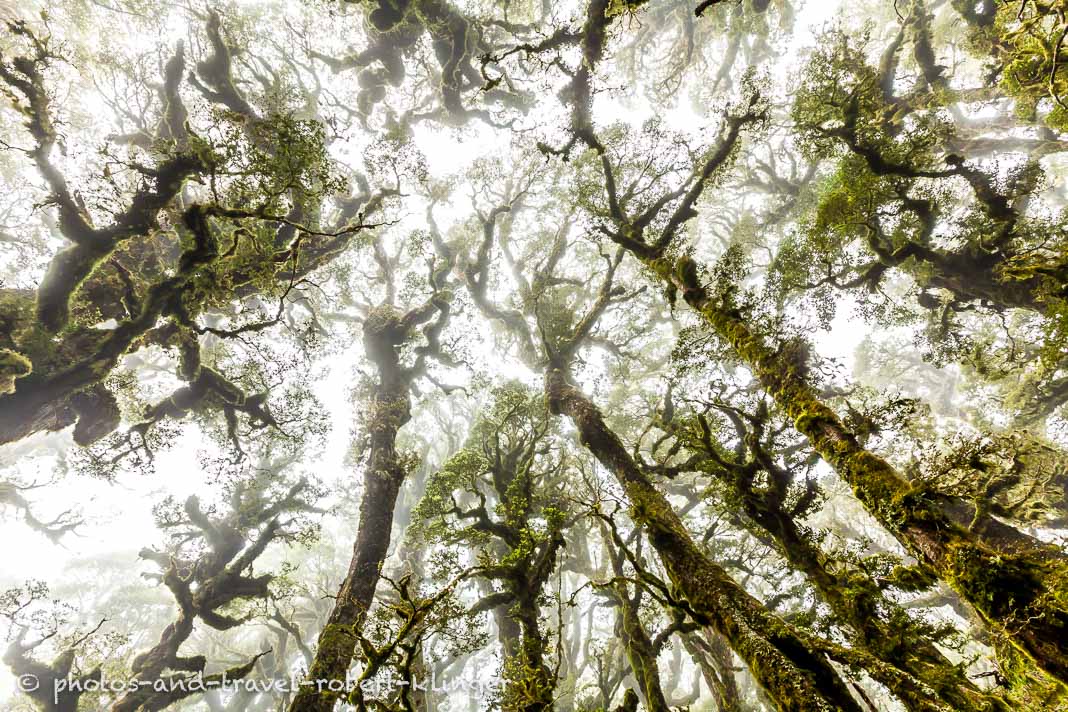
x,y
519,355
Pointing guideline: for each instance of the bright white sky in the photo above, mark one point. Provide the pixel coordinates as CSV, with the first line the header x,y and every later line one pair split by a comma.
x,y
118,514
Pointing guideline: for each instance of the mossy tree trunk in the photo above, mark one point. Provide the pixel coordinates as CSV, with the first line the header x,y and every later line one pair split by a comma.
x,y
385,331
878,624
796,677
641,654
1017,584
641,650
385,473
530,684
717,669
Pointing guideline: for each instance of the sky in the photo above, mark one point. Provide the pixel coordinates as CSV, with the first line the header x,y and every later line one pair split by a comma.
x,y
118,514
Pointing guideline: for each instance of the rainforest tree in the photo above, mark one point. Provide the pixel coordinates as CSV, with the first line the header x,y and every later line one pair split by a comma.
x,y
600,355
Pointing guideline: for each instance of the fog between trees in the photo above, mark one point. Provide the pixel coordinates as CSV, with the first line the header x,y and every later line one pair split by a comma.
x,y
529,356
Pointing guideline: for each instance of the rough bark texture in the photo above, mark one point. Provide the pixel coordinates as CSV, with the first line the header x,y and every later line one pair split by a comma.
x,y
641,654
390,410
876,623
1016,584
717,669
796,677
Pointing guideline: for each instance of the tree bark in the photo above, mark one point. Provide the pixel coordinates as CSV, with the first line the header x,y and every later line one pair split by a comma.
x,y
853,595
796,677
640,654
1016,583
383,334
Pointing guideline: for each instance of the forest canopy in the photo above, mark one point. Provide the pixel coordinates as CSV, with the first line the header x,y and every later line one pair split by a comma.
x,y
428,355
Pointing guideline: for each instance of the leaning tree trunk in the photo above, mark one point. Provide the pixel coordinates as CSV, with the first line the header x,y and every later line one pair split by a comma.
x,y
859,602
640,653
718,672
855,597
1017,584
383,334
796,677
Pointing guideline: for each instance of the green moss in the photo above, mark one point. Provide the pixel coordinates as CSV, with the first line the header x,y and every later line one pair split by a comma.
x,y
1029,39
13,366
1001,587
1030,687
334,655
620,7
1018,594
528,687
911,578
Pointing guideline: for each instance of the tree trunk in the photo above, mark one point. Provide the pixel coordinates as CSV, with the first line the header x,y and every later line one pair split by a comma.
x,y
390,410
640,654
718,672
854,596
796,677
1017,584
